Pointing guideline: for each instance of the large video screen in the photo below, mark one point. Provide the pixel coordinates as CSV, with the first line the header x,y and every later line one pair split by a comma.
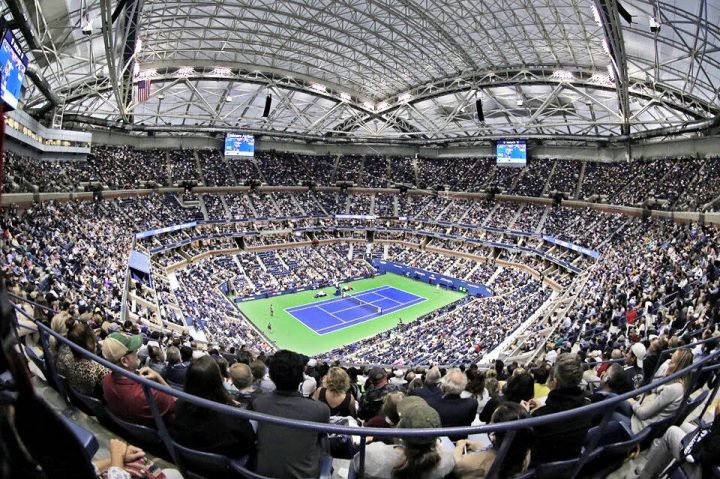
x,y
511,153
239,145
13,64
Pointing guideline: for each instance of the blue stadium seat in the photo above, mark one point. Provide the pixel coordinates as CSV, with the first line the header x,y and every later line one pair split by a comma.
x,y
207,464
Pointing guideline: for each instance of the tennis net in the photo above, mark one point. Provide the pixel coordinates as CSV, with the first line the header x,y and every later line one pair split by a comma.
x,y
368,306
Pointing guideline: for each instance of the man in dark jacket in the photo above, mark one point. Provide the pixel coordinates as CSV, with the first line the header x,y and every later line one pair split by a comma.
x,y
561,440
454,411
431,385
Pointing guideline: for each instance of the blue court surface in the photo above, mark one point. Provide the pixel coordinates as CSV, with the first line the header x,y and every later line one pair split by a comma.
x,y
328,316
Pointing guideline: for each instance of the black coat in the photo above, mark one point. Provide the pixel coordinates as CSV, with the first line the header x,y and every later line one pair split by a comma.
x,y
455,411
560,440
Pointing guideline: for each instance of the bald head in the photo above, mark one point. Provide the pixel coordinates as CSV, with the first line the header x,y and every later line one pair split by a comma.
x,y
241,375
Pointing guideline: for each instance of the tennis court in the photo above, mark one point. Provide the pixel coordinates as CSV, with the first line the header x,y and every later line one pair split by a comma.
x,y
338,313
298,326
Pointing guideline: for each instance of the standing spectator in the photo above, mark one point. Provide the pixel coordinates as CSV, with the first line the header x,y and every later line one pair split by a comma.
x,y
281,451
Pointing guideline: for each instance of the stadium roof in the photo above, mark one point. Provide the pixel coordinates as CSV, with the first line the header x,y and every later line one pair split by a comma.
x,y
409,71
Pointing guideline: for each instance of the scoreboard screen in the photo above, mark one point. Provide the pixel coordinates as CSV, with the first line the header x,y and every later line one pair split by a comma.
x,y
511,153
239,145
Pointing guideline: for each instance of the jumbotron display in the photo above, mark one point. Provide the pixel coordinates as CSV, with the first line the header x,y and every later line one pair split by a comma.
x,y
237,144
13,64
511,153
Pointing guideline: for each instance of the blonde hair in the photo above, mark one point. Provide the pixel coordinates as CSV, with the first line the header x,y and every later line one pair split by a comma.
x,y
685,359
337,380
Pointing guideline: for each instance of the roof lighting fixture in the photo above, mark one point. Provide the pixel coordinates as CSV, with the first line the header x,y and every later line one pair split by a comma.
x,y
184,71
563,75
606,47
596,15
318,87
149,73
600,78
221,72
611,72
404,97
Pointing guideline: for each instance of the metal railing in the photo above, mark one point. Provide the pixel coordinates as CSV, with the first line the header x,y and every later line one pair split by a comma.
x,y
605,408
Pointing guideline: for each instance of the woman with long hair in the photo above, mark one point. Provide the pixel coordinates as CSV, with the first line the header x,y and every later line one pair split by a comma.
x,y
206,430
666,399
472,461
84,374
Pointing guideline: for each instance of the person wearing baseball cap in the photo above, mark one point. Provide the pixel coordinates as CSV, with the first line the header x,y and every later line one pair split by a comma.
x,y
417,456
124,397
634,364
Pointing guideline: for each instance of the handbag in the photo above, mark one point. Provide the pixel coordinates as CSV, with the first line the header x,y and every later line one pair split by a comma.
x,y
142,468
692,443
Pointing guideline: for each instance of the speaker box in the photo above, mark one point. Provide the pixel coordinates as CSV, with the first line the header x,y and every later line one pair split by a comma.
x,y
478,106
268,104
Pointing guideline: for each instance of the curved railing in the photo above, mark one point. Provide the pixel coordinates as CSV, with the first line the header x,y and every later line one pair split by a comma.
x,y
604,408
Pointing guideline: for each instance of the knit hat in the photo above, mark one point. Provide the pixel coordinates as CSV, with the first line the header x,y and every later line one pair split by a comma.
x,y
117,345
415,413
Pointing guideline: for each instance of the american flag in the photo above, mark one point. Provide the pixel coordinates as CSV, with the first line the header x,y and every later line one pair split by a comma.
x,y
143,90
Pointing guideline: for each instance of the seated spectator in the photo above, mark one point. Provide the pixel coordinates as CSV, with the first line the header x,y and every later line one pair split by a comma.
x,y
419,457
242,379
666,399
453,410
156,358
282,451
376,390
124,397
519,388
335,393
83,374
260,378
634,364
431,385
177,365
477,463
124,462
206,430
560,440
670,447
388,416
476,388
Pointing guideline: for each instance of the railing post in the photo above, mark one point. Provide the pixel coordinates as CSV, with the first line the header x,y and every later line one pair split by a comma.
x,y
361,466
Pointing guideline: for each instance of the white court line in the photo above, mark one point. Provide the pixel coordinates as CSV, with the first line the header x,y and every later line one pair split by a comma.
x,y
361,318
331,314
330,301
